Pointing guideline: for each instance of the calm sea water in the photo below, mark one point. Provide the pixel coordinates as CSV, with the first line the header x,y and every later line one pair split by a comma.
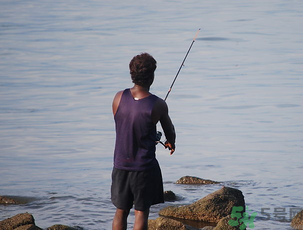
x,y
237,104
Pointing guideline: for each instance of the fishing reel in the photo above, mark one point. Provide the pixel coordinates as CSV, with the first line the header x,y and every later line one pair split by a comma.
x,y
165,145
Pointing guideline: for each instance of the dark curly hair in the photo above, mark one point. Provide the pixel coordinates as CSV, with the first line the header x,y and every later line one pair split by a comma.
x,y
142,68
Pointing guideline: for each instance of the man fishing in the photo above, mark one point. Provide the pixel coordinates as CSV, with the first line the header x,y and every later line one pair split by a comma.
x,y
136,176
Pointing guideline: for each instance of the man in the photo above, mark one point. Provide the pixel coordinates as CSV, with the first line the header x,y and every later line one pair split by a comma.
x,y
136,176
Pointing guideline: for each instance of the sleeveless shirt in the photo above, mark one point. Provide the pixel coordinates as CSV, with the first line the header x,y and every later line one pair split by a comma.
x,y
135,133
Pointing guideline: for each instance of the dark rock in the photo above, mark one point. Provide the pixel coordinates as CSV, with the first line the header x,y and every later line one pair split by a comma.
x,y
194,180
297,221
163,223
28,227
6,200
211,208
170,196
224,225
23,221
61,227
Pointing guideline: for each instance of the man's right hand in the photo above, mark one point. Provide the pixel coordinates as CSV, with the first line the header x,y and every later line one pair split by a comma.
x,y
171,147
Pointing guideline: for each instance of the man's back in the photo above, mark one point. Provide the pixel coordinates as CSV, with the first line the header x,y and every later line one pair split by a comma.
x,y
135,133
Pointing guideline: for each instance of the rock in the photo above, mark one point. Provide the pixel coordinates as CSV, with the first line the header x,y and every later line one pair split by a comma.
x,y
211,208
194,180
170,196
162,223
28,227
297,221
6,200
23,221
224,225
61,227
208,228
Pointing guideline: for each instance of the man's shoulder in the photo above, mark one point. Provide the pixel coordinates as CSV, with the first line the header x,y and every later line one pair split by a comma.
x,y
121,91
119,94
160,104
117,100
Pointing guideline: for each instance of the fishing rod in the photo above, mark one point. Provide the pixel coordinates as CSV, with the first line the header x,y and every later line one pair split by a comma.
x,y
159,134
182,64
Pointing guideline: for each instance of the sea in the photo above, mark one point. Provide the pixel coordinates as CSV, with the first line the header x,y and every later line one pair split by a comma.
x,y
237,103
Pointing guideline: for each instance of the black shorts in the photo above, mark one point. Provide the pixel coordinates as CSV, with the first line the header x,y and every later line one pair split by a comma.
x,y
142,188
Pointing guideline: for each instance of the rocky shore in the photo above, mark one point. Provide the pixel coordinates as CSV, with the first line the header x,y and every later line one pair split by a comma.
x,y
25,221
217,209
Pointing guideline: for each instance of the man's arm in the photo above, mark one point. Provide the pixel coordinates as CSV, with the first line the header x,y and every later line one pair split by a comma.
x,y
116,102
160,113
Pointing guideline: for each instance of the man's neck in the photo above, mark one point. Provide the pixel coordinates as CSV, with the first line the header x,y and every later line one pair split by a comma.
x,y
139,92
139,88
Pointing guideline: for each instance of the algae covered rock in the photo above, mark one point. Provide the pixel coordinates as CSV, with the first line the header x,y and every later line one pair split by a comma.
x,y
12,200
224,225
23,221
194,180
170,196
162,223
297,221
211,208
28,227
61,227
6,200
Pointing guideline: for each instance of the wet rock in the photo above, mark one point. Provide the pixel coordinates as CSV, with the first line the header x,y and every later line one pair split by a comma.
x,y
224,225
23,221
162,223
208,228
211,208
170,196
61,227
6,200
194,180
28,227
297,221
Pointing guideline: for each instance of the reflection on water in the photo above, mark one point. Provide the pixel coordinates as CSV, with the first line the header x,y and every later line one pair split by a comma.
x,y
214,39
237,103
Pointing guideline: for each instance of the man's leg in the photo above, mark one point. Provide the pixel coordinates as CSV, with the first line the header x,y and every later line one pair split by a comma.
x,y
141,220
120,219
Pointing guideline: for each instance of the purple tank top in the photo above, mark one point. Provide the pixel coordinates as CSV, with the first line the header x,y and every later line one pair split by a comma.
x,y
135,133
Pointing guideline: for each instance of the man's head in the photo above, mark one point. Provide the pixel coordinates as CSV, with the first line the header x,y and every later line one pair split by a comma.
x,y
142,68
